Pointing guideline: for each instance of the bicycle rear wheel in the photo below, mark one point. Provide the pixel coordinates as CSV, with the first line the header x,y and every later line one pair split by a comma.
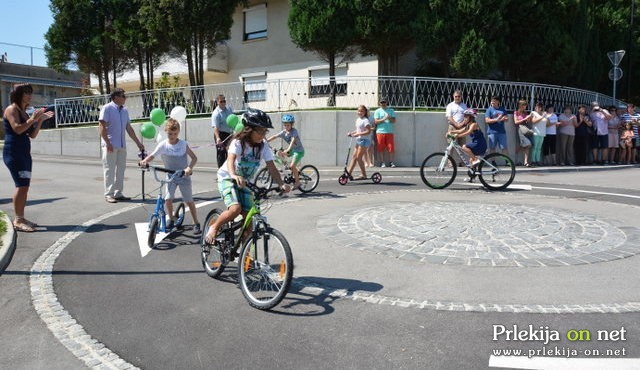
x,y
309,178
153,230
178,215
497,172
266,269
263,179
212,256
438,171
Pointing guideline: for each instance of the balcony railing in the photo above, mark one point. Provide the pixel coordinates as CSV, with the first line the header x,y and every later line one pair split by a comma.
x,y
405,93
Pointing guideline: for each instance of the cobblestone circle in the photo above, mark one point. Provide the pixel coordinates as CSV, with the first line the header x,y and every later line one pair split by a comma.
x,y
481,234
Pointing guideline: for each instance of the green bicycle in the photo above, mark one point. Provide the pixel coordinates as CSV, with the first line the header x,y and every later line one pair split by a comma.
x,y
265,263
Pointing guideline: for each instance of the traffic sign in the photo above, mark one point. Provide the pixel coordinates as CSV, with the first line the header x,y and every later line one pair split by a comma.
x,y
616,57
615,73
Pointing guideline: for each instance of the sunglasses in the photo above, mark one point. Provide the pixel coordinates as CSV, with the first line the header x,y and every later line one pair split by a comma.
x,y
222,101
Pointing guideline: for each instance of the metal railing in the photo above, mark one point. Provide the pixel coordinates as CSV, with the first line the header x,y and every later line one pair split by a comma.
x,y
410,93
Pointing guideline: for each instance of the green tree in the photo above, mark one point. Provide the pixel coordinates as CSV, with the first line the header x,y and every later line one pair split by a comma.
x,y
386,28
325,27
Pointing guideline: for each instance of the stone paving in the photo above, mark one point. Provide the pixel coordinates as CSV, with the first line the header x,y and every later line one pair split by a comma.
x,y
491,235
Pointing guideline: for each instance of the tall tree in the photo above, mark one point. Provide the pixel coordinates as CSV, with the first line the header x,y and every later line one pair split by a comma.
x,y
386,29
327,28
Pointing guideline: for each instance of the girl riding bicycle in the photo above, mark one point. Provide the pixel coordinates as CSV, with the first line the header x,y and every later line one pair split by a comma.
x,y
295,149
478,144
246,151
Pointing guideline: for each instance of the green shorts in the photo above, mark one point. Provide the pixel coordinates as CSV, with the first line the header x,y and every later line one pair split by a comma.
x,y
296,157
231,195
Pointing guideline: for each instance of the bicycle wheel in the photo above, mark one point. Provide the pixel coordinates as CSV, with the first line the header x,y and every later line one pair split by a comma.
x,y
438,171
266,269
309,178
178,215
263,179
153,230
496,171
213,259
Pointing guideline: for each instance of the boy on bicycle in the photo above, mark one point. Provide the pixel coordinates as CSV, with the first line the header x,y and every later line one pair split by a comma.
x,y
246,150
295,149
174,154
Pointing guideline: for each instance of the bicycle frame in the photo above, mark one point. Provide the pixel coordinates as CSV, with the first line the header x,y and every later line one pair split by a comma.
x,y
465,159
159,210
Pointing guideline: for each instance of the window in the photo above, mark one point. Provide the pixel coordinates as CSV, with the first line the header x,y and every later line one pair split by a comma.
x,y
255,87
255,22
319,82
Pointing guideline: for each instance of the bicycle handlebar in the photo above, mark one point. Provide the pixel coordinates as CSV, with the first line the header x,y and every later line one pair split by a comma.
x,y
261,193
174,174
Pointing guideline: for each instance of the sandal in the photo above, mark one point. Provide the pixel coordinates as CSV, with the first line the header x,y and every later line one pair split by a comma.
x,y
30,223
21,226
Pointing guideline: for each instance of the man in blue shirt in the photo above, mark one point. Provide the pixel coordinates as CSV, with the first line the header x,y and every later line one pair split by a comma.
x,y
494,117
113,123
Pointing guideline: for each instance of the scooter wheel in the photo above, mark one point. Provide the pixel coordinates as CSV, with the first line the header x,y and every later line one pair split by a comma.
x,y
376,178
343,180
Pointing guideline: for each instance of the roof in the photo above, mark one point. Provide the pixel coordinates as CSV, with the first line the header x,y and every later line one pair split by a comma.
x,y
41,81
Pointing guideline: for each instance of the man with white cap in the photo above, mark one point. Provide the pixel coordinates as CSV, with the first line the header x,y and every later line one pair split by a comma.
x,y
600,118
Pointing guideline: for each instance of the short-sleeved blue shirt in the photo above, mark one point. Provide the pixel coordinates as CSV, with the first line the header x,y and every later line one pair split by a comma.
x,y
117,119
497,127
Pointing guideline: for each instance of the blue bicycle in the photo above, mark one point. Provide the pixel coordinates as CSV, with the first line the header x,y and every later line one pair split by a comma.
x,y
158,219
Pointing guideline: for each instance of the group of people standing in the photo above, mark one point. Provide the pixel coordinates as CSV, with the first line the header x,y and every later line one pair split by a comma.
x,y
591,136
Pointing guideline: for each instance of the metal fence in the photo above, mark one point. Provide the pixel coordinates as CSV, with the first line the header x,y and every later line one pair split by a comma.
x,y
405,93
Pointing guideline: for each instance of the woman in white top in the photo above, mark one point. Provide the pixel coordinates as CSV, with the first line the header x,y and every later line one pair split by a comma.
x,y
566,134
539,119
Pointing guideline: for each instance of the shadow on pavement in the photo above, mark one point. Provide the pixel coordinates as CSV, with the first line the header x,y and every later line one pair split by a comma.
x,y
41,201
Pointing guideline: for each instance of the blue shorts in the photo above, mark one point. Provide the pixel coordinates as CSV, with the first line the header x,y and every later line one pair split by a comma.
x,y
231,195
20,168
363,141
497,140
600,141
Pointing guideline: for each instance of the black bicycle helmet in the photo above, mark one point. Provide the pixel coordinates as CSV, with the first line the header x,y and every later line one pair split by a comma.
x,y
256,118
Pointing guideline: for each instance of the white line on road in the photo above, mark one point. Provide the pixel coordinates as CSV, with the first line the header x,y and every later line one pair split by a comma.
x,y
588,192
553,363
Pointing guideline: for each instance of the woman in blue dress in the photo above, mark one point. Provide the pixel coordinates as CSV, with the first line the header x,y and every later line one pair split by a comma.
x,y
19,129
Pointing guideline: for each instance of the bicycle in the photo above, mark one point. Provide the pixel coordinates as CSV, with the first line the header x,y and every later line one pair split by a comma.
x,y
308,174
496,171
265,267
157,220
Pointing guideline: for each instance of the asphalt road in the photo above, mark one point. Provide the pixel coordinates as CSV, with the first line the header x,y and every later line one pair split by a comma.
x,y
350,307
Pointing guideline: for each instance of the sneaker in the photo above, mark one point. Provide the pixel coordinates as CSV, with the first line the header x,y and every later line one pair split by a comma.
x,y
196,229
122,197
110,199
383,165
393,164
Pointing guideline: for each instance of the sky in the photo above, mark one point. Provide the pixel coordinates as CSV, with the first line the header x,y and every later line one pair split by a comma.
x,y
24,22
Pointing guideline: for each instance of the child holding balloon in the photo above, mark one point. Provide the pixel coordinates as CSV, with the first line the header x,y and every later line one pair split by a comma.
x,y
174,154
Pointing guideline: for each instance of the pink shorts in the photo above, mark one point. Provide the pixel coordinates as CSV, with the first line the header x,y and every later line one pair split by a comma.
x,y
385,141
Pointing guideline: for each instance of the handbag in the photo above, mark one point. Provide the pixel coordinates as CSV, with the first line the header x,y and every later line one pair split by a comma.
x,y
524,130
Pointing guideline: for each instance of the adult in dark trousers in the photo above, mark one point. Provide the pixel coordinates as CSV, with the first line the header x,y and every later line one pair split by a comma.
x,y
19,129
221,131
582,141
113,122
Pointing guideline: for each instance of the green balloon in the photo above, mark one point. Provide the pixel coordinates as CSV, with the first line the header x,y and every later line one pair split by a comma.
x,y
157,116
148,130
232,121
239,127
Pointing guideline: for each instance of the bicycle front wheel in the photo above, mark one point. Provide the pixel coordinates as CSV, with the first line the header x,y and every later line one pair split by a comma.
x,y
438,171
153,230
263,179
266,269
211,255
497,171
178,215
309,178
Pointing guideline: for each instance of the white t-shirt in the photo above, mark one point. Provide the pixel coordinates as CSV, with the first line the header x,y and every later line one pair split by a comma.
x,y
247,159
456,111
553,119
361,125
539,128
174,156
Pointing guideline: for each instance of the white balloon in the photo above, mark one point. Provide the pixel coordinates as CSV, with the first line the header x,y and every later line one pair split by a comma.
x,y
178,113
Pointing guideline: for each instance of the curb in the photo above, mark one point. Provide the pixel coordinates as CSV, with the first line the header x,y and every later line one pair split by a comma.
x,y
8,246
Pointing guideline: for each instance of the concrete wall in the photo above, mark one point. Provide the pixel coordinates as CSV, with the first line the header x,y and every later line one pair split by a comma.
x,y
417,134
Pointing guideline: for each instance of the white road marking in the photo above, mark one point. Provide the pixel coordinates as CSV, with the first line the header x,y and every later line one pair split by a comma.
x,y
142,231
589,192
552,363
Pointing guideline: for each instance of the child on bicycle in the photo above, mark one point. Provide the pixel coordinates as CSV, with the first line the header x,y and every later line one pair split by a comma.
x,y
478,144
246,150
174,154
295,149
